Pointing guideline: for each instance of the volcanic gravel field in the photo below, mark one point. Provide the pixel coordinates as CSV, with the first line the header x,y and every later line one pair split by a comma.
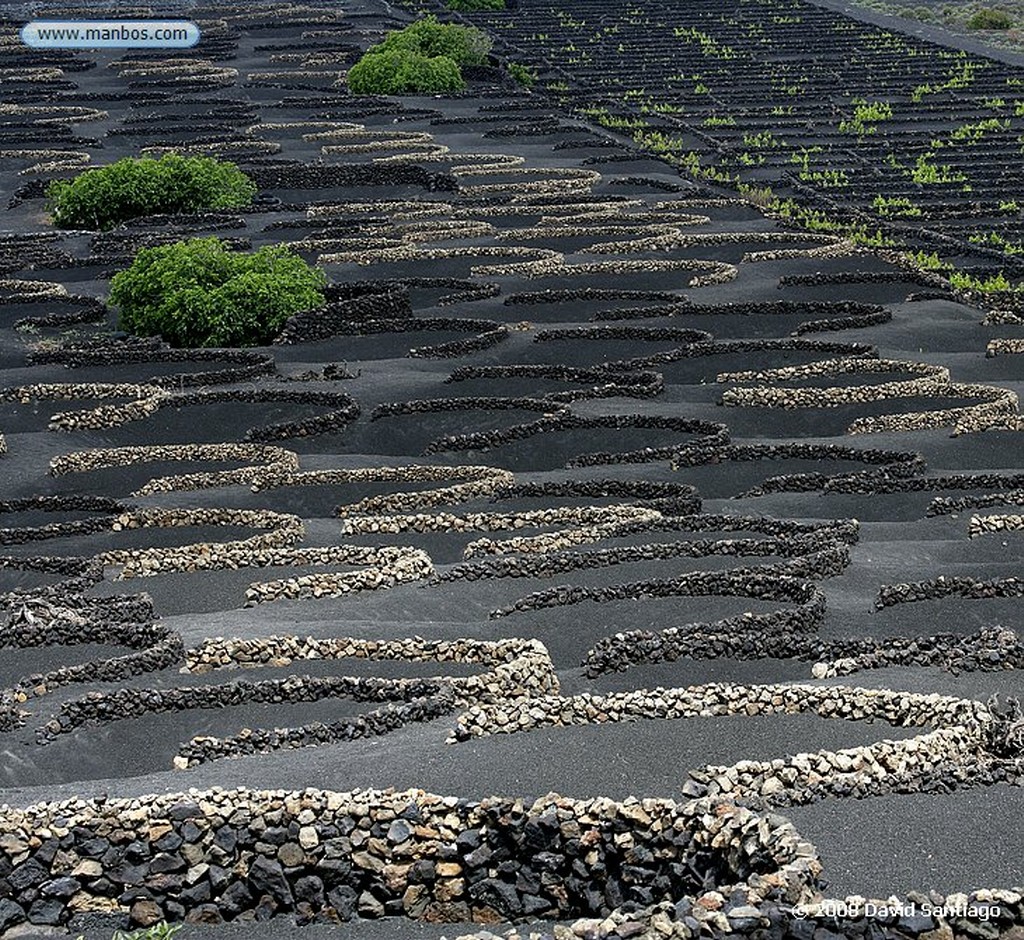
x,y
590,479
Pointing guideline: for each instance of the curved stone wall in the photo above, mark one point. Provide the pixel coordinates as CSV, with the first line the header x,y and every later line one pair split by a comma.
x,y
998,404
261,460
146,400
223,854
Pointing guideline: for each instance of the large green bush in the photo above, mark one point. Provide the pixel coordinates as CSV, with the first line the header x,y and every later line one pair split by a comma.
x,y
986,18
198,293
464,45
472,6
107,196
423,58
399,72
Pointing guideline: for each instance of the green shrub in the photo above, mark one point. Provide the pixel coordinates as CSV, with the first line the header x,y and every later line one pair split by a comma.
x,y
987,18
161,931
464,45
423,58
198,293
399,72
107,196
523,74
473,6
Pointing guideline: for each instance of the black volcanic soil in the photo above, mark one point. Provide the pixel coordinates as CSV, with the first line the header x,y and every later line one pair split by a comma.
x,y
873,847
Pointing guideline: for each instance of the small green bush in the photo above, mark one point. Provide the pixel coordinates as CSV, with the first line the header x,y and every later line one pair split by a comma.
x,y
161,931
198,293
423,58
107,196
523,74
399,73
473,6
987,18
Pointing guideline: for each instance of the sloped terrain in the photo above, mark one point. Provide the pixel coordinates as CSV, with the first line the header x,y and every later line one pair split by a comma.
x,y
588,479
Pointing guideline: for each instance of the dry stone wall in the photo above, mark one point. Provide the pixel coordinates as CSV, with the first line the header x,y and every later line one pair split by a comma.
x,y
237,855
